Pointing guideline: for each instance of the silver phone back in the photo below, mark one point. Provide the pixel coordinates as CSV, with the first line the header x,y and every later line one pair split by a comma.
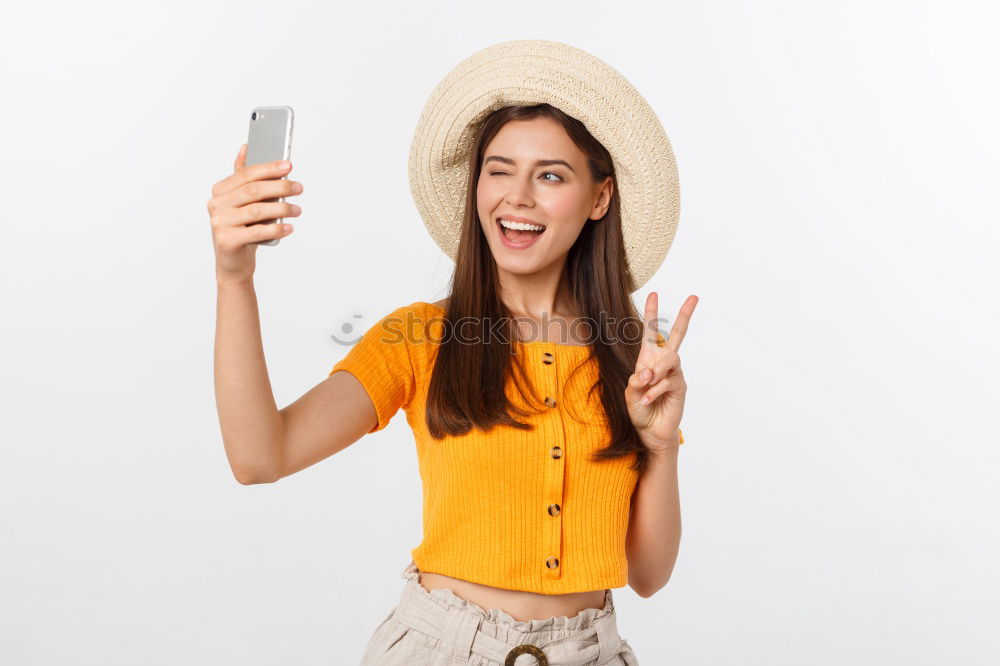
x,y
270,139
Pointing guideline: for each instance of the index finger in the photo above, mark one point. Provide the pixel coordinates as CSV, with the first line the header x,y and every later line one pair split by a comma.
x,y
244,174
680,327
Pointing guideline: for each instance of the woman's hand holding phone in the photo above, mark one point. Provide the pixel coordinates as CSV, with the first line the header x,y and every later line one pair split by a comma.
x,y
237,202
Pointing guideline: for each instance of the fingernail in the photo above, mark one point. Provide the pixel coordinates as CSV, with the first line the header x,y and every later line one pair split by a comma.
x,y
284,165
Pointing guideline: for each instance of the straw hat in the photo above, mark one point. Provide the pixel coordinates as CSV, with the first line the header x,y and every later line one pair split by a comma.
x,y
532,71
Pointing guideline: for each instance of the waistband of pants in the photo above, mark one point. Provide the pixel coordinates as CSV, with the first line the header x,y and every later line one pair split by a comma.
x,y
459,634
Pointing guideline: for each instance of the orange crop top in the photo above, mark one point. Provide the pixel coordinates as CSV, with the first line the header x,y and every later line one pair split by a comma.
x,y
515,509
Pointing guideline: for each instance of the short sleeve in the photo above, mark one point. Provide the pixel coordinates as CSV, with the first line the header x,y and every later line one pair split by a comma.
x,y
381,361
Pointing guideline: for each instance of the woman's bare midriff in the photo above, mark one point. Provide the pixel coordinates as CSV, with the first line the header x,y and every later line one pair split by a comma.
x,y
522,606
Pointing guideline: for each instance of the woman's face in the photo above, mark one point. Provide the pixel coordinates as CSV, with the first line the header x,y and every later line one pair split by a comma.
x,y
560,196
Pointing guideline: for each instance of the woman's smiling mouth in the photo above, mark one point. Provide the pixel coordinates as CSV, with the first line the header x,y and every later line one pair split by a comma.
x,y
518,235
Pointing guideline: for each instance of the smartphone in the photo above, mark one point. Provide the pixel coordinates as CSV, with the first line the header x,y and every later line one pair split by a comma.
x,y
269,140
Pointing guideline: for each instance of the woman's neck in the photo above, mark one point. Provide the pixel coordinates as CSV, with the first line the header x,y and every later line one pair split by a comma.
x,y
539,295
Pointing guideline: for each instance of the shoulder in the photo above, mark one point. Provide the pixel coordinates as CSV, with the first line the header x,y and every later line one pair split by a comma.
x,y
429,308
428,317
415,324
422,312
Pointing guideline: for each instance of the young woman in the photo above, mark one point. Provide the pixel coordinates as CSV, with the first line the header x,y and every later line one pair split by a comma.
x,y
545,408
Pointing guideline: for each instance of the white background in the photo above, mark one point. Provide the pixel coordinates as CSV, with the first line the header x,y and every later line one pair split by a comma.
x,y
838,164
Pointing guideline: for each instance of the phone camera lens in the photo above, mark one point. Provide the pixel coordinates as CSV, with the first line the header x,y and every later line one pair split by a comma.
x,y
253,116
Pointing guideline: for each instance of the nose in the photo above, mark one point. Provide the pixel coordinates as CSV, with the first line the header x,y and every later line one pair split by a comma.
x,y
519,193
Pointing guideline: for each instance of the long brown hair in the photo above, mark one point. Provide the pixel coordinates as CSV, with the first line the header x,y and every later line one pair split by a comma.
x,y
467,388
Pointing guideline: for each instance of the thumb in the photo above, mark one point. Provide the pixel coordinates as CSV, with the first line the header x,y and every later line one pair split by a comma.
x,y
241,158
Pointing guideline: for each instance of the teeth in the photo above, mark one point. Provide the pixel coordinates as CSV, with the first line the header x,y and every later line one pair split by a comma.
x,y
520,225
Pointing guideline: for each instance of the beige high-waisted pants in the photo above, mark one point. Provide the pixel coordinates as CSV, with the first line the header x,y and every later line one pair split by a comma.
x,y
439,628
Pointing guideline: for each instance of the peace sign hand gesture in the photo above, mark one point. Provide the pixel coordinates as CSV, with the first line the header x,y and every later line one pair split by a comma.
x,y
656,390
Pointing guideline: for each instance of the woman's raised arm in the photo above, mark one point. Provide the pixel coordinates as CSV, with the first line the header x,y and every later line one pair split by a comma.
x,y
263,443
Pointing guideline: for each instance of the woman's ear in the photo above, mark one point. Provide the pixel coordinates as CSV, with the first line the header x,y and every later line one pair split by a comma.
x,y
603,201
598,212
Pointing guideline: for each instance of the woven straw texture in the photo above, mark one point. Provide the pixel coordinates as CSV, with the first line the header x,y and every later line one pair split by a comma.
x,y
526,72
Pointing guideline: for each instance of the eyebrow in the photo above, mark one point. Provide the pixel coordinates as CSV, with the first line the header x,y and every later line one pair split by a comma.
x,y
507,160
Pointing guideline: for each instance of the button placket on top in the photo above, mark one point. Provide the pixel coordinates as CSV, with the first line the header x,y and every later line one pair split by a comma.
x,y
555,467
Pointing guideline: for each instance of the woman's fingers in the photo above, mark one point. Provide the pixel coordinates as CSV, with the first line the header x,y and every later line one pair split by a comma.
x,y
645,377
649,378
649,329
264,211
241,158
668,361
259,232
235,238
656,390
262,190
680,327
245,174
637,383
254,202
